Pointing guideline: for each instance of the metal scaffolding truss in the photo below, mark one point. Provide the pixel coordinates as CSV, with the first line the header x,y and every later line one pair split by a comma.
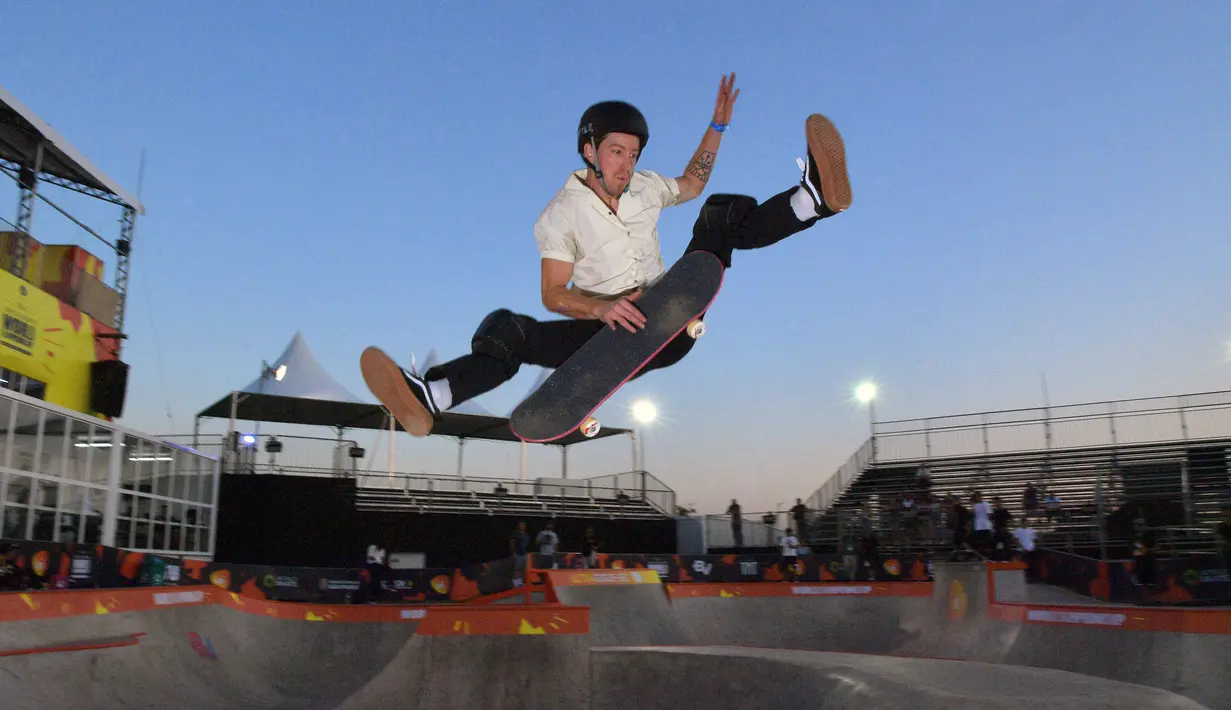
x,y
32,154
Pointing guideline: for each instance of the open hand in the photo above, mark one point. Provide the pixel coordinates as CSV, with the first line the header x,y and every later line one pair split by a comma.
x,y
622,312
726,100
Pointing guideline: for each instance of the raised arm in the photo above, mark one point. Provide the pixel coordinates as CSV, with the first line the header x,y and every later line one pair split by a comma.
x,y
697,174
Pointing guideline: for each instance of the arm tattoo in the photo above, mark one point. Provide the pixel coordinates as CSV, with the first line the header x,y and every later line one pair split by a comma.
x,y
702,166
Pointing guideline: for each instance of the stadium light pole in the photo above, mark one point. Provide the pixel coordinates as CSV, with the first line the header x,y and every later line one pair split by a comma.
x,y
866,393
644,412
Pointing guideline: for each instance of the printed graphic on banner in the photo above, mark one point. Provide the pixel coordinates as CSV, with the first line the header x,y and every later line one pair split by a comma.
x,y
202,646
589,578
46,340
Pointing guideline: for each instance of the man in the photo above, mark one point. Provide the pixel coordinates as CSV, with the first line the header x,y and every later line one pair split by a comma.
x,y
519,545
1026,536
600,234
548,542
789,554
737,524
800,513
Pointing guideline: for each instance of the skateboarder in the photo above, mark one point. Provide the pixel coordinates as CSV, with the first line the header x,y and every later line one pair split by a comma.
x,y
599,232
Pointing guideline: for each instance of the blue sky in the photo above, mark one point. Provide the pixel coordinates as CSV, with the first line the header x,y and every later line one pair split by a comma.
x,y
1038,188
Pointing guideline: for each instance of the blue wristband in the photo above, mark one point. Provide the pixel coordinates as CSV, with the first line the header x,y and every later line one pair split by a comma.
x,y
719,128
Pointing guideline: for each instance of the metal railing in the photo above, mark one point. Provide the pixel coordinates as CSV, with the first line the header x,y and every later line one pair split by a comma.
x,y
836,485
68,477
326,457
1187,418
1000,438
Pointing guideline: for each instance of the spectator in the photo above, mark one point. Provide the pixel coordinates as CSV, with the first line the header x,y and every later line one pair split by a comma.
x,y
1223,529
589,550
737,524
893,505
374,565
871,554
1051,501
1025,542
519,545
789,545
1002,539
548,541
1145,561
1030,499
959,523
800,511
981,540
923,517
850,553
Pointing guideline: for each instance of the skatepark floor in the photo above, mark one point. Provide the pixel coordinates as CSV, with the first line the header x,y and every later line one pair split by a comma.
x,y
643,648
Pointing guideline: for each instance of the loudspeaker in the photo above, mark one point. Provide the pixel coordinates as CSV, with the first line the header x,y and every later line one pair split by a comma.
x,y
108,384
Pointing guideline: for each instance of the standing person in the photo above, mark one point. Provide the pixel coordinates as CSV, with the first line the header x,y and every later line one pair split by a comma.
x,y
737,523
589,550
548,541
982,537
1025,542
789,554
959,521
374,565
800,513
519,545
600,233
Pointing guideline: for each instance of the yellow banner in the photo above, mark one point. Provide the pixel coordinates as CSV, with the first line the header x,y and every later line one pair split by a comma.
x,y
51,342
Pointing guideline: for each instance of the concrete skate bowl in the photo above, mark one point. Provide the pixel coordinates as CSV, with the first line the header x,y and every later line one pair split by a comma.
x,y
202,647
960,619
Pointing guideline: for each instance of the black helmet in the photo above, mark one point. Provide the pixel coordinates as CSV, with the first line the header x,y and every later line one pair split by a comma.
x,y
611,117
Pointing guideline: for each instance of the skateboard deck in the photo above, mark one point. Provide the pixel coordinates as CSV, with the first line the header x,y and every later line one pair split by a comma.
x,y
575,390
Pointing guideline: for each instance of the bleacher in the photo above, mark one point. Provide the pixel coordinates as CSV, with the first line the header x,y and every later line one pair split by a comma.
x,y
508,503
629,495
1166,464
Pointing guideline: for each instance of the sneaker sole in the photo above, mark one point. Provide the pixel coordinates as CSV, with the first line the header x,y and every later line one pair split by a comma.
x,y
384,379
830,152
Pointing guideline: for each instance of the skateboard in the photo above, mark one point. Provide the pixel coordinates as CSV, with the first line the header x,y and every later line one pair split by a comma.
x,y
568,398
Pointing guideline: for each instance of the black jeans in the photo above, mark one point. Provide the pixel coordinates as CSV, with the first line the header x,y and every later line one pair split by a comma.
x,y
726,223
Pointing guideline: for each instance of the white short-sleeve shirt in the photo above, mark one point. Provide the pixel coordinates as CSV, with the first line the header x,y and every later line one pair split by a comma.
x,y
611,253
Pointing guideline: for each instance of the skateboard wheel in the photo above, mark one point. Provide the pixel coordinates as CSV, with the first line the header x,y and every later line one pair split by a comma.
x,y
696,329
590,426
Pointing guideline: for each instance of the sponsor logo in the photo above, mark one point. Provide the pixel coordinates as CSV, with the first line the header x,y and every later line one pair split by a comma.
x,y
440,584
170,598
271,581
82,568
1076,617
702,567
830,590
414,613
620,577
349,585
749,568
660,567
18,332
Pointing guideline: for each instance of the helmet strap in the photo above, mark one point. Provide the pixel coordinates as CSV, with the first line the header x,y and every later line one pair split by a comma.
x,y
598,172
